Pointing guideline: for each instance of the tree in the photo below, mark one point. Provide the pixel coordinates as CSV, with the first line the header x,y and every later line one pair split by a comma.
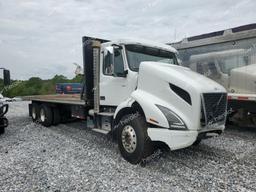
x,y
37,86
59,79
77,79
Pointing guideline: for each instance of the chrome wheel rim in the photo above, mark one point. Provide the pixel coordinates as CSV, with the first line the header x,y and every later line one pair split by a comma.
x,y
129,139
42,115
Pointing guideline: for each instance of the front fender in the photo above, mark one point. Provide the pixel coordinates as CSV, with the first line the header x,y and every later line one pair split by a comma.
x,y
147,102
125,104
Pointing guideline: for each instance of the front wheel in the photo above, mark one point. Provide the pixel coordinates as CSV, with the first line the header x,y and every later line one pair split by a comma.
x,y
197,142
133,141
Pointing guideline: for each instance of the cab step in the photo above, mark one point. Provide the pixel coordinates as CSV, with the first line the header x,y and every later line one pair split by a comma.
x,y
102,131
108,114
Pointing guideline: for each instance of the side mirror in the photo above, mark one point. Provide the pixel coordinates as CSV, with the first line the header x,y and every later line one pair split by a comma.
x,y
7,78
110,50
108,61
113,57
179,61
109,54
119,70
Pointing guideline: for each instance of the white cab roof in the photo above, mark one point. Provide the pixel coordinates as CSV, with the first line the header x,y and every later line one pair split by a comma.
x,y
142,42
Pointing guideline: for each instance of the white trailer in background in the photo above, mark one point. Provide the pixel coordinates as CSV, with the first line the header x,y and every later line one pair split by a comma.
x,y
229,58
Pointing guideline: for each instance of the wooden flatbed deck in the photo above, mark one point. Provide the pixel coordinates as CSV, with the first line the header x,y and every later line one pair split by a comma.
x,y
73,99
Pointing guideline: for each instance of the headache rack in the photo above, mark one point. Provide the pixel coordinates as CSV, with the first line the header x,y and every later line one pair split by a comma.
x,y
213,108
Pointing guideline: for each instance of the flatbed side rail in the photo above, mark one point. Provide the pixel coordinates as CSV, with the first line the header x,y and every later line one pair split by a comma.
x,y
57,98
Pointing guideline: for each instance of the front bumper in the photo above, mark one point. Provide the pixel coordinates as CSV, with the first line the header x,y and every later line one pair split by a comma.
x,y
174,139
180,139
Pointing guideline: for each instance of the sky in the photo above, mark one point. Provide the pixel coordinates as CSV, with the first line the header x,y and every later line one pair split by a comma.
x,y
43,38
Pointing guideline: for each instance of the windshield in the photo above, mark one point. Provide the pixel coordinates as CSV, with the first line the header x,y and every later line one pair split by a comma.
x,y
138,53
227,64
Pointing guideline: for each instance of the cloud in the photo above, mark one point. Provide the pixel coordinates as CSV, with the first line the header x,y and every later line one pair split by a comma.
x,y
43,38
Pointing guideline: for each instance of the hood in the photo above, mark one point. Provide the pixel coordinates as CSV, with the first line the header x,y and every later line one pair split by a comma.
x,y
243,79
182,77
157,79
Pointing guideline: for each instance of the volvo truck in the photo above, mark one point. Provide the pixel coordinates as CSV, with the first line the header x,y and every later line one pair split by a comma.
x,y
229,58
136,92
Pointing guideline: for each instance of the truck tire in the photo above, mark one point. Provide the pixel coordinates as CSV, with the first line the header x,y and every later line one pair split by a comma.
x,y
3,124
45,115
35,112
2,130
197,142
56,116
133,141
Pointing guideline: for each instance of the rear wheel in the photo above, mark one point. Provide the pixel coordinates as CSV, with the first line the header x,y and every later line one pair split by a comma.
x,y
56,116
133,141
35,112
45,115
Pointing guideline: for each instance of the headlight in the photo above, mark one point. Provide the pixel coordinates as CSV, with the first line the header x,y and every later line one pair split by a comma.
x,y
174,120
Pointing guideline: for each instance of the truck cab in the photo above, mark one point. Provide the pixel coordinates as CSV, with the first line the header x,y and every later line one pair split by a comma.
x,y
120,62
154,99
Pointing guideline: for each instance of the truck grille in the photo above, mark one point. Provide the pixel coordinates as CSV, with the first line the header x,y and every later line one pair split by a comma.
x,y
214,107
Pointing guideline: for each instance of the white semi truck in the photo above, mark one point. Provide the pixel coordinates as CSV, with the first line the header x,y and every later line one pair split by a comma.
x,y
137,92
229,58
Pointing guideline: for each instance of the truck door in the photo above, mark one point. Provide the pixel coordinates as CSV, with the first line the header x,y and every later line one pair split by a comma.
x,y
114,87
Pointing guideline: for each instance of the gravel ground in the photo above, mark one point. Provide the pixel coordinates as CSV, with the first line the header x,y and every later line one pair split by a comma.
x,y
69,157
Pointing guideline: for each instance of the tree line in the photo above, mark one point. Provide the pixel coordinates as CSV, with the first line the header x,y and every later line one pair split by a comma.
x,y
35,86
